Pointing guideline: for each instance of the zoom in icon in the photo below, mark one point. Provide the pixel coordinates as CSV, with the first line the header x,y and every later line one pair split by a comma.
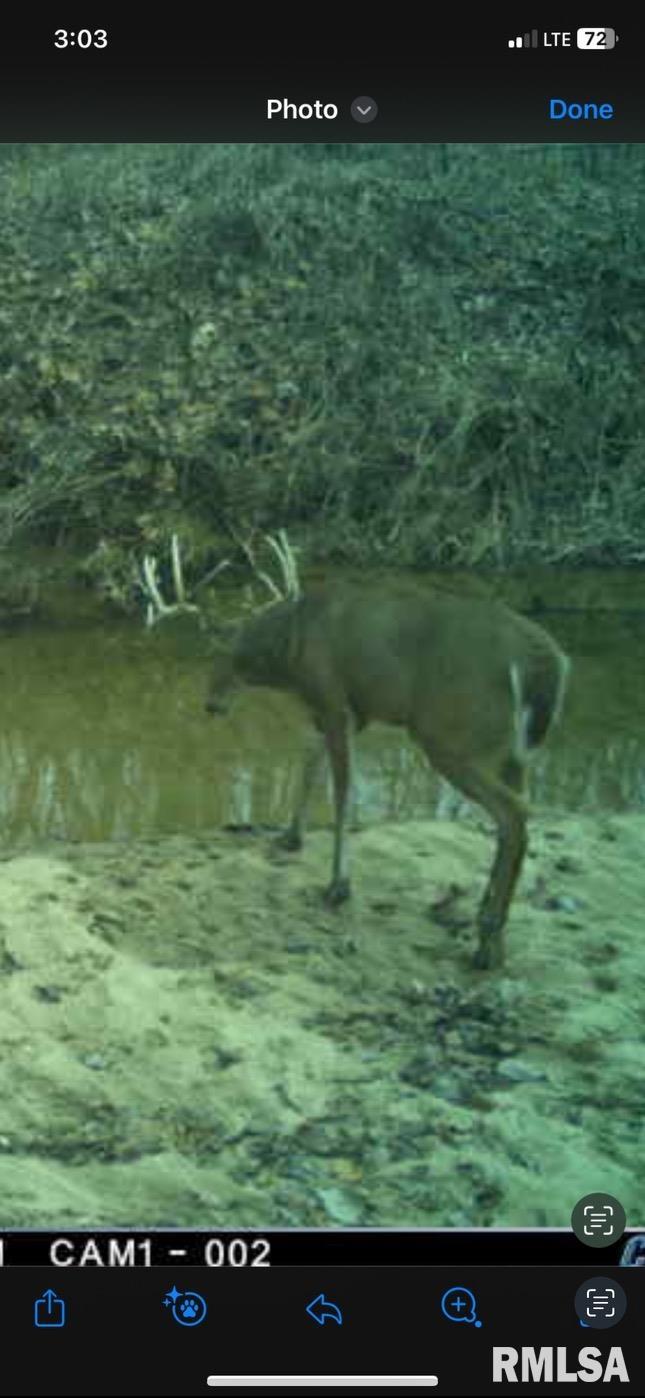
x,y
459,1304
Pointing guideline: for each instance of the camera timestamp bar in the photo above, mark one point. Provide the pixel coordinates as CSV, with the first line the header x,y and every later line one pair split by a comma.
x,y
370,1247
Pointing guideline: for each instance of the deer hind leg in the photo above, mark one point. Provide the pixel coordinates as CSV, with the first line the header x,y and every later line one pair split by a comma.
x,y
502,796
338,741
293,836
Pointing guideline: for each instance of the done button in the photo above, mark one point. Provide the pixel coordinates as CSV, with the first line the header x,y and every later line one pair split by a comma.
x,y
561,110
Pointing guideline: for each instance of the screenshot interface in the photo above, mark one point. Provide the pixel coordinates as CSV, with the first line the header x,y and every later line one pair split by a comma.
x,y
322,738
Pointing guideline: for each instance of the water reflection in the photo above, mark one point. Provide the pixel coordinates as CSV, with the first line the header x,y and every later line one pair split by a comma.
x,y
103,736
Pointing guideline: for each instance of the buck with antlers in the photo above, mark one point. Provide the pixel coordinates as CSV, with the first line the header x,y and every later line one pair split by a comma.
x,y
477,686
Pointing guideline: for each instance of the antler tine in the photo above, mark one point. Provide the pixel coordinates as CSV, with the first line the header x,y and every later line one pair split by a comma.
x,y
157,608
176,570
156,605
279,543
284,553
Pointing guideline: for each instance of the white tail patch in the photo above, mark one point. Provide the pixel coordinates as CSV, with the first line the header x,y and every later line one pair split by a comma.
x,y
521,715
565,670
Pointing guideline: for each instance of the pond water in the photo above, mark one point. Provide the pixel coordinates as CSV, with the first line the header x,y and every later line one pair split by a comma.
x,y
103,736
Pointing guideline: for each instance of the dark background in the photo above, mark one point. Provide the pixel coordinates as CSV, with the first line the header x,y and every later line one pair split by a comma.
x,y
198,77
118,1337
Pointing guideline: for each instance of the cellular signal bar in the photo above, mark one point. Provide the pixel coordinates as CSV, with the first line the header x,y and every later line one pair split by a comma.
x,y
529,41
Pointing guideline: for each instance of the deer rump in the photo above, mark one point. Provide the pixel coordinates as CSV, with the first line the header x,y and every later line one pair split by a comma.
x,y
474,683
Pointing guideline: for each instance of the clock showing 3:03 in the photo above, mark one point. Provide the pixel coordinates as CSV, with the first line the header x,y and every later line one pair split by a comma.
x,y
80,38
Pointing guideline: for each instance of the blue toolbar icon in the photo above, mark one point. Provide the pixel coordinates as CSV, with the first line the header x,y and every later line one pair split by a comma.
x,y
458,1303
186,1307
320,1310
49,1311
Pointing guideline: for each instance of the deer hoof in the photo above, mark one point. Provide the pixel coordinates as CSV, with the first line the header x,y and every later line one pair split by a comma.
x,y
338,892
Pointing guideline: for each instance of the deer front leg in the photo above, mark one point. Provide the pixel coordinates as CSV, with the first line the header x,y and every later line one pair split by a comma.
x,y
338,739
292,837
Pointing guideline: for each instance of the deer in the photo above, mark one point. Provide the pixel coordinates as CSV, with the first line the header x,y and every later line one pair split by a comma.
x,y
475,684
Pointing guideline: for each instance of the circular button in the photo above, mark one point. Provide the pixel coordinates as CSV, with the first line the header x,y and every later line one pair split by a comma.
x,y
598,1220
364,109
600,1303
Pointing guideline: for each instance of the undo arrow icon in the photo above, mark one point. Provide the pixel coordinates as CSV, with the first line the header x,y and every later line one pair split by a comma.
x,y
321,1310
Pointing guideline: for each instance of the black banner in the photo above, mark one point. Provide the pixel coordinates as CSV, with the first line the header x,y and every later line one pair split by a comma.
x,y
302,1247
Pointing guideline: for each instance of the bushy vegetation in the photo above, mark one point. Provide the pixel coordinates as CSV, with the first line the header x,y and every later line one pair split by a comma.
x,y
425,355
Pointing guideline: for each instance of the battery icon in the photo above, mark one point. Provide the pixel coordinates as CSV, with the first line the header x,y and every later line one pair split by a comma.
x,y
597,40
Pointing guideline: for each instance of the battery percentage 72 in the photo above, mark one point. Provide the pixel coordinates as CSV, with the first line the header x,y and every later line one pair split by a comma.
x,y
596,39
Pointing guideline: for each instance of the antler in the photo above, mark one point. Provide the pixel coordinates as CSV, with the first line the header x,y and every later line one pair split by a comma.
x,y
157,608
290,588
285,555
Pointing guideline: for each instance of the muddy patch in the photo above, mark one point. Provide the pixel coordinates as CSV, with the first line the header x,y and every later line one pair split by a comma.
x,y
188,1037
